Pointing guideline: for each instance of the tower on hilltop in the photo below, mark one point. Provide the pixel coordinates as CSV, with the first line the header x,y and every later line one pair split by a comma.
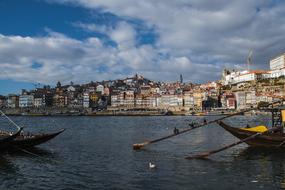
x,y
181,78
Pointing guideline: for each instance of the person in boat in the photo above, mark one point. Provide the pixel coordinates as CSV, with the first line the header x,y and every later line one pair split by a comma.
x,y
175,131
247,126
205,121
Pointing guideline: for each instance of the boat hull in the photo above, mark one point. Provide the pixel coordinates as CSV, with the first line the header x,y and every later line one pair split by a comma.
x,y
6,138
27,141
264,140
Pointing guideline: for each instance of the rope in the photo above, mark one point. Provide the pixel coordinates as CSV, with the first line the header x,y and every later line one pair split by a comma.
x,y
3,114
36,155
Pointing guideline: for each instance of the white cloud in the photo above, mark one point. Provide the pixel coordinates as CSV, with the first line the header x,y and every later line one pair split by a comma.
x,y
66,59
60,56
91,27
124,35
197,28
199,38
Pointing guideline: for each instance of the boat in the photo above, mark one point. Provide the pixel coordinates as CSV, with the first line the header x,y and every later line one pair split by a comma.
x,y
270,139
28,140
20,140
6,138
259,136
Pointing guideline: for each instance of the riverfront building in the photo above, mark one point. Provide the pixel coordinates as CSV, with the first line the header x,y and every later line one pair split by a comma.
x,y
278,62
13,101
26,101
236,90
277,69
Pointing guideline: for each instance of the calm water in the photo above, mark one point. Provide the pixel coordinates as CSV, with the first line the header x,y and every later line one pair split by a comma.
x,y
96,153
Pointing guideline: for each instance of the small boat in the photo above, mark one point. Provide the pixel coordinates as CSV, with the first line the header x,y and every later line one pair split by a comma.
x,y
29,140
20,140
272,139
6,138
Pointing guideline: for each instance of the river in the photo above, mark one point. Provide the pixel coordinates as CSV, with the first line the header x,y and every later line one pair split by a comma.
x,y
96,153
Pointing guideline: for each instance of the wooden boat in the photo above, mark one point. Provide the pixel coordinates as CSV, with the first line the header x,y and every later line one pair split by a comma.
x,y
6,138
20,140
29,140
271,139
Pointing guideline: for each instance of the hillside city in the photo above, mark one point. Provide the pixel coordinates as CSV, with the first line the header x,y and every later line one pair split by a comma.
x,y
236,90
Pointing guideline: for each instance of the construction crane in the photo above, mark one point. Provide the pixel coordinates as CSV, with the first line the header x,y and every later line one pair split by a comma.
x,y
249,59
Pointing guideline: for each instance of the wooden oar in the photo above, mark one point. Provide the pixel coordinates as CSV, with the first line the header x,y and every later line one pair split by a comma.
x,y
206,154
138,146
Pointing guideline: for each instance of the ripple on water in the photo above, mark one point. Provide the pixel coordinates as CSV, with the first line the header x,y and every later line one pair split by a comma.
x,y
96,153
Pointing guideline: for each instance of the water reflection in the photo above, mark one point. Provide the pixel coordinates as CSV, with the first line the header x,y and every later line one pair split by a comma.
x,y
269,162
251,153
6,166
7,158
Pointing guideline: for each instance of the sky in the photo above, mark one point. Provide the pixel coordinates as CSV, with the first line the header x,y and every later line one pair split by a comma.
x,y
45,41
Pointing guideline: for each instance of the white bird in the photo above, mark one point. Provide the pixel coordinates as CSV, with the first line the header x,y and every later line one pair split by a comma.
x,y
151,165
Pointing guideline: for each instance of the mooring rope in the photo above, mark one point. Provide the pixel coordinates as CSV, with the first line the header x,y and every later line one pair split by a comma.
x,y
36,155
3,114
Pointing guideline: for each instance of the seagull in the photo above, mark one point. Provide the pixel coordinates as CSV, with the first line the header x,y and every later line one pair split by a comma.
x,y
151,166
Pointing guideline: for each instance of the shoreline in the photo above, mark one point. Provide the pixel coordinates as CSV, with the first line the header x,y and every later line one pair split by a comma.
x,y
96,114
65,113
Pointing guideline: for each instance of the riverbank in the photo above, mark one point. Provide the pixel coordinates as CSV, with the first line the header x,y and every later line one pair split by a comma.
x,y
81,112
84,112
98,113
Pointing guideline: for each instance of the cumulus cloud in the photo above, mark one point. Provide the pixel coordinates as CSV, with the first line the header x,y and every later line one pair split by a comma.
x,y
223,30
197,38
59,57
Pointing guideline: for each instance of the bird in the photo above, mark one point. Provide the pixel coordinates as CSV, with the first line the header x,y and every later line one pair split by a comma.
x,y
151,165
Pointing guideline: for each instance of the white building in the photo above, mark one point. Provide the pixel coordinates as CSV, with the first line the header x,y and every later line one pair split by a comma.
x,y
236,77
277,62
71,89
124,99
148,102
251,76
26,101
100,88
171,100
277,73
114,100
38,102
263,98
250,98
240,100
188,100
86,100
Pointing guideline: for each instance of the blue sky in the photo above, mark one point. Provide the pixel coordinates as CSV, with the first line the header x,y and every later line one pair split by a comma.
x,y
43,41
32,17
